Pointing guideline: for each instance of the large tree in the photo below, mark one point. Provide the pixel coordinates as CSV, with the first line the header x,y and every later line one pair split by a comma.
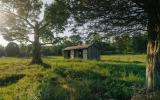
x,y
75,39
20,18
123,43
118,16
93,38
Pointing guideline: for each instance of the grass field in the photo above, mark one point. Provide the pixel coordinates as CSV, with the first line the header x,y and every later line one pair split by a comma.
x,y
114,77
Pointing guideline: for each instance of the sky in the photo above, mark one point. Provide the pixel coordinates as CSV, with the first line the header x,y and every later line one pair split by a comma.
x,y
4,42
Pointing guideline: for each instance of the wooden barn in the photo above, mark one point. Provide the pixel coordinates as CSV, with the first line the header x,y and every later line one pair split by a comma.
x,y
89,51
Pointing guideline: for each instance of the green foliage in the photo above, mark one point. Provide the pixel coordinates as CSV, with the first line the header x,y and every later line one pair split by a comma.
x,y
93,37
22,18
2,51
1,98
24,50
47,51
29,49
140,43
12,49
123,43
75,39
57,14
113,16
17,26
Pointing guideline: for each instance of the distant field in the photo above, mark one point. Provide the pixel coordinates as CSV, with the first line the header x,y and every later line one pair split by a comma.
x,y
114,77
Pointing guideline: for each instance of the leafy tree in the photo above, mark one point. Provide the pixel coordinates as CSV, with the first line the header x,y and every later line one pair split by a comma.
x,y
119,16
66,42
2,51
25,17
47,51
139,43
29,50
93,37
108,48
12,49
23,50
75,39
123,43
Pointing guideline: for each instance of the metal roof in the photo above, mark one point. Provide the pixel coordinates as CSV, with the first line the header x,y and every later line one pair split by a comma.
x,y
78,47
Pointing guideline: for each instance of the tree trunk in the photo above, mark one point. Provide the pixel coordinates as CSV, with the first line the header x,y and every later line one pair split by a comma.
x,y
153,58
36,53
150,66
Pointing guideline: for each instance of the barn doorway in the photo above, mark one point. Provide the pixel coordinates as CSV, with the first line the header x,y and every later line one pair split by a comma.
x,y
78,53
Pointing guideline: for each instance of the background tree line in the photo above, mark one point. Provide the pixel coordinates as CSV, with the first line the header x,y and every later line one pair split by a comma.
x,y
121,44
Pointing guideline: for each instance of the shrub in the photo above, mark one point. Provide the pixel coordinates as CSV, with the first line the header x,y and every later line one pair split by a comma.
x,y
2,51
12,49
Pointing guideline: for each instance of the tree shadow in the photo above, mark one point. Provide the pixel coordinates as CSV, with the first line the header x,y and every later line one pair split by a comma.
x,y
116,69
10,80
119,61
74,74
49,57
56,88
45,65
89,84
104,87
69,85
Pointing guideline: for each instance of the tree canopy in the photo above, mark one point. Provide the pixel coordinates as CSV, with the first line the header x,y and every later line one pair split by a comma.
x,y
22,18
119,16
12,49
116,16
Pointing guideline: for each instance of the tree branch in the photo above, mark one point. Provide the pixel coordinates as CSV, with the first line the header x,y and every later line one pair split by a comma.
x,y
140,3
45,25
4,11
28,40
46,43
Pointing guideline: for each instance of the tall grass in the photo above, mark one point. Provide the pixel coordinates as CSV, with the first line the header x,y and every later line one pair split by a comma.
x,y
111,78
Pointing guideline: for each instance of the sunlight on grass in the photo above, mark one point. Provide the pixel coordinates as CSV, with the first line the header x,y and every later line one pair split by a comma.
x,y
112,77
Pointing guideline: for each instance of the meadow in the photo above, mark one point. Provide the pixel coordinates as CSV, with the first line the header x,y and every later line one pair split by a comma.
x,y
115,77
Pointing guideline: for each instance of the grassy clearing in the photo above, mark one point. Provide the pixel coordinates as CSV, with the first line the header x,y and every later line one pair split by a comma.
x,y
114,77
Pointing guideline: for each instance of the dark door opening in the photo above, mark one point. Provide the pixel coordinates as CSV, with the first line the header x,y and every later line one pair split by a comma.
x,y
68,54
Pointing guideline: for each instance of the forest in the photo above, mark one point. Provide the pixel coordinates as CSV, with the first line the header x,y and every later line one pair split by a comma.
x,y
123,44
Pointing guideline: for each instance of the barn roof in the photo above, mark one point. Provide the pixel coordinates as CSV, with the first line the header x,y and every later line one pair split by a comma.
x,y
78,47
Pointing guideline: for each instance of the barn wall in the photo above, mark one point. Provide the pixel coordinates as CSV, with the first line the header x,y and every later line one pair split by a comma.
x,y
90,53
97,52
66,54
93,53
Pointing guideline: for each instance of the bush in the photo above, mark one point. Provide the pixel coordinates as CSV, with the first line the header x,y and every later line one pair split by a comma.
x,y
12,49
2,51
